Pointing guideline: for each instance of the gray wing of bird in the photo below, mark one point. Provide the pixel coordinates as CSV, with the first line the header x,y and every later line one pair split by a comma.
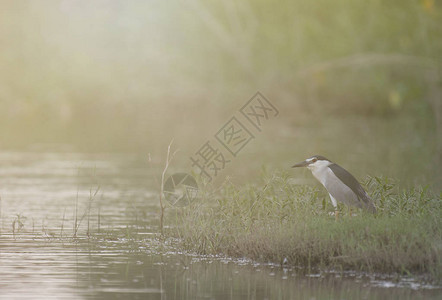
x,y
353,184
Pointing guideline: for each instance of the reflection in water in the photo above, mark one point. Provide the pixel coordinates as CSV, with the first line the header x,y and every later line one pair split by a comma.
x,y
124,259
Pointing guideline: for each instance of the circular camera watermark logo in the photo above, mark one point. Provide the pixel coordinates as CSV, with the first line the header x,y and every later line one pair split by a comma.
x,y
180,189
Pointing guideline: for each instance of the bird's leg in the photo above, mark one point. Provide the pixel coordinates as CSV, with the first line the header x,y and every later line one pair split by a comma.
x,y
335,205
349,211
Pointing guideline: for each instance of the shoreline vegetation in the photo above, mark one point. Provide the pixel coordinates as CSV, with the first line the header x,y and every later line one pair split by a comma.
x,y
284,223
280,222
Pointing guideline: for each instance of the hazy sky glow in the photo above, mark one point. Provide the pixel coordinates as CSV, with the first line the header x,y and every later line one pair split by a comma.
x,y
132,75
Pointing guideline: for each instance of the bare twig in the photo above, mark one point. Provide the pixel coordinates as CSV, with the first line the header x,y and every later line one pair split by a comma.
x,y
62,223
169,158
92,195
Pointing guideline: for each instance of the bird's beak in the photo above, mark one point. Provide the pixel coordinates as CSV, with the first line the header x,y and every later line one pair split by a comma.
x,y
301,164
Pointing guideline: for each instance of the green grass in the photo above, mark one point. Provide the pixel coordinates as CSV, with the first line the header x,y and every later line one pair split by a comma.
x,y
279,221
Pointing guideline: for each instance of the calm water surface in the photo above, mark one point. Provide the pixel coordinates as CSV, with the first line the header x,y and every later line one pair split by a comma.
x,y
110,204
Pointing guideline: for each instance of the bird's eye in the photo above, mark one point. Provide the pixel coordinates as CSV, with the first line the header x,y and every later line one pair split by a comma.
x,y
314,160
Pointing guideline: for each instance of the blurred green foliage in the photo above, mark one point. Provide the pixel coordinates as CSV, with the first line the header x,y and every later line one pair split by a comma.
x,y
130,76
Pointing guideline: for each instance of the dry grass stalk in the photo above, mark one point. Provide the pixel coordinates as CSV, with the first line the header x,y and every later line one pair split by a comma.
x,y
169,158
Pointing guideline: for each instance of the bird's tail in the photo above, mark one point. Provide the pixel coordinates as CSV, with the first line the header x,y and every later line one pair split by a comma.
x,y
369,204
371,208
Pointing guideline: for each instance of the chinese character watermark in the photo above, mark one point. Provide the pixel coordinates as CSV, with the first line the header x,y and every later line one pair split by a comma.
x,y
258,109
209,160
180,189
213,156
234,136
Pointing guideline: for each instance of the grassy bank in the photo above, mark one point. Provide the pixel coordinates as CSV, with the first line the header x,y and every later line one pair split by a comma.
x,y
278,221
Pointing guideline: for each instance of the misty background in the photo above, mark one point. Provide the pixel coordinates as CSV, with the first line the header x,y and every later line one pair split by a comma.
x,y
358,82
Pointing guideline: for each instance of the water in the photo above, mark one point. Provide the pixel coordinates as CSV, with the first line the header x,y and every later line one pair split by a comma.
x,y
109,203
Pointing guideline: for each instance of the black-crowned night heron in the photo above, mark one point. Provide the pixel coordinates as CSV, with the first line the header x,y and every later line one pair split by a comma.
x,y
339,183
